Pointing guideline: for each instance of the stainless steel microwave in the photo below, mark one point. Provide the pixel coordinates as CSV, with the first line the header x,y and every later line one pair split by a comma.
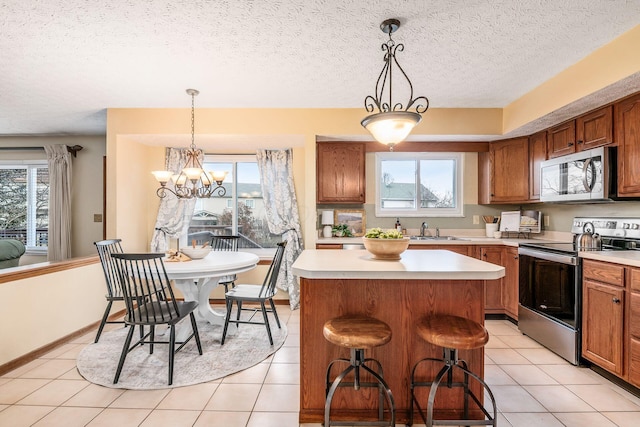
x,y
587,176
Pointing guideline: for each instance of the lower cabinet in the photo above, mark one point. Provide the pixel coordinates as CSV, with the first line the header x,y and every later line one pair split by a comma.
x,y
493,288
510,282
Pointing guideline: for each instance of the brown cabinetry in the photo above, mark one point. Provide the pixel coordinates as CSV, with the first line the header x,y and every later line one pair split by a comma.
x,y
562,139
537,154
627,125
603,315
594,129
340,174
493,288
634,326
504,172
510,282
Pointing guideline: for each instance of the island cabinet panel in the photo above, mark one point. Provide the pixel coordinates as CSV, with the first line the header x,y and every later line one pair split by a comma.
x,y
627,128
399,303
340,174
459,249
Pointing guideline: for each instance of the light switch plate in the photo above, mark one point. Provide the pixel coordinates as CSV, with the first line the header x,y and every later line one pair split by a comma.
x,y
546,220
476,219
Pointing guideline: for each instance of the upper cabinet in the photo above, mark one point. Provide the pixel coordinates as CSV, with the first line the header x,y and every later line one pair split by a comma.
x,y
537,154
627,124
588,131
503,173
340,172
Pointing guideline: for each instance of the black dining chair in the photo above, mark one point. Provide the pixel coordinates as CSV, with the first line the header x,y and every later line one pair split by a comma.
x,y
256,294
149,301
114,288
226,243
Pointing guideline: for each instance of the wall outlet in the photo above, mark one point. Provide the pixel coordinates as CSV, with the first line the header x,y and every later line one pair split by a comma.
x,y
546,220
97,217
476,219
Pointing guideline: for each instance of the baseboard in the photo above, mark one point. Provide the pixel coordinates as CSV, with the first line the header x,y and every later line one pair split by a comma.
x,y
37,353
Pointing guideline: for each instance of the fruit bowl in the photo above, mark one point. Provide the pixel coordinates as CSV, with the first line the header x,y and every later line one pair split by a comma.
x,y
196,253
388,249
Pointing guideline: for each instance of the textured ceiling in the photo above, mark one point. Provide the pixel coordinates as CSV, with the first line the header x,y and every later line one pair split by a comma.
x,y
62,63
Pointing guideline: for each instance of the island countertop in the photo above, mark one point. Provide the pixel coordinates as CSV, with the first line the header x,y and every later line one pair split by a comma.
x,y
413,264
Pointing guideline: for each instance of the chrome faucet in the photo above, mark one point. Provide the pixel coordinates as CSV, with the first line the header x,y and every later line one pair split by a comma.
x,y
437,232
423,227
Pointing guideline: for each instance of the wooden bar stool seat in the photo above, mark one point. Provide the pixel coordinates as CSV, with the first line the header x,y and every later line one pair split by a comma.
x,y
452,333
358,333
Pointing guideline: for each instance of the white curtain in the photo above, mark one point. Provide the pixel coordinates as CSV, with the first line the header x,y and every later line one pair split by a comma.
x,y
59,160
174,214
279,197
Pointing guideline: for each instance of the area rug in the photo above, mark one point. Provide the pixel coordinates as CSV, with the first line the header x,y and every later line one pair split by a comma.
x,y
248,346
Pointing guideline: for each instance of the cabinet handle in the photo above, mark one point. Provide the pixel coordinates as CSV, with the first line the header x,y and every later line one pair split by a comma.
x,y
515,257
579,141
570,144
616,300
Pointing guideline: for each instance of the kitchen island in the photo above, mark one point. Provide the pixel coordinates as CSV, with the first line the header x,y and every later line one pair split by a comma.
x,y
422,282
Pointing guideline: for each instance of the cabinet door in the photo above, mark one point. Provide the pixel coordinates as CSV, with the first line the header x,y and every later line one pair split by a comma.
x,y
627,125
510,282
561,139
509,170
594,129
459,249
537,154
340,171
493,288
602,323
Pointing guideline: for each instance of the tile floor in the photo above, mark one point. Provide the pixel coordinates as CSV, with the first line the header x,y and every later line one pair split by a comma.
x,y
532,386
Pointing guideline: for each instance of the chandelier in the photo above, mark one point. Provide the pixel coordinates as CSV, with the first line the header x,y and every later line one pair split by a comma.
x,y
193,180
393,122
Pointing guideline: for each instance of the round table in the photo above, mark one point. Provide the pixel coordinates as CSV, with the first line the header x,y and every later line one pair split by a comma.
x,y
197,278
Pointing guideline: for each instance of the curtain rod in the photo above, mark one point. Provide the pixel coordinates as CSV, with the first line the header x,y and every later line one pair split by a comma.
x,y
73,149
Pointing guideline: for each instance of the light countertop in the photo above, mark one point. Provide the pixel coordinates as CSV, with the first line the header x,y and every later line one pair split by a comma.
x,y
414,264
631,258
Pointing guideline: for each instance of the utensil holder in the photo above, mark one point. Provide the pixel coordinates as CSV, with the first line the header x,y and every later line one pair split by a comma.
x,y
491,228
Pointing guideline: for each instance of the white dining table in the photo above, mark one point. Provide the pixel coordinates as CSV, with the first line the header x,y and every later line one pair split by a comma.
x,y
198,277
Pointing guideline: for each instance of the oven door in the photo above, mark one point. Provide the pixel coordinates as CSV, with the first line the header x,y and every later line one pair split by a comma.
x,y
549,285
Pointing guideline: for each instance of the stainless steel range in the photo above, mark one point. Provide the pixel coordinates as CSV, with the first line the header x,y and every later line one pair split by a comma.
x,y
550,288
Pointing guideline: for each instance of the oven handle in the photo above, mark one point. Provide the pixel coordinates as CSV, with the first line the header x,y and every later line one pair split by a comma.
x,y
549,256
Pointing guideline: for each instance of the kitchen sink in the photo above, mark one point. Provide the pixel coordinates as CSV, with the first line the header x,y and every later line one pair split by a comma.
x,y
435,238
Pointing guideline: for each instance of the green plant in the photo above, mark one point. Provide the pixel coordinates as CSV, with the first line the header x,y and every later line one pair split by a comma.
x,y
341,230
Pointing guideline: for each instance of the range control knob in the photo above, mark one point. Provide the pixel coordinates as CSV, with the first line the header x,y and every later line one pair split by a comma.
x,y
635,226
626,226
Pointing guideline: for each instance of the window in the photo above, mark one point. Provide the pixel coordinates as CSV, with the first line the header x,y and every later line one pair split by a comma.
x,y
24,203
240,211
419,184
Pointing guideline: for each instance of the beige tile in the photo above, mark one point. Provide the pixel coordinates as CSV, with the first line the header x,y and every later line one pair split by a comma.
x,y
495,342
111,417
72,374
505,356
584,419
252,375
16,373
54,393
287,355
501,421
488,360
603,398
193,397
528,375
222,419
2,407
283,373
293,340
19,388
95,396
494,375
4,380
140,399
273,419
527,419
558,398
499,328
542,356
520,341
234,397
569,374
68,417
515,399
278,398
23,416
170,418
624,419
52,368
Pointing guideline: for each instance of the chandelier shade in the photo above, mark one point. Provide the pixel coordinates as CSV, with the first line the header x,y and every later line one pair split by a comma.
x,y
192,181
393,122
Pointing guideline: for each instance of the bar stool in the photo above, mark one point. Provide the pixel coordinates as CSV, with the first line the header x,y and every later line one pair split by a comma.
x,y
451,333
358,333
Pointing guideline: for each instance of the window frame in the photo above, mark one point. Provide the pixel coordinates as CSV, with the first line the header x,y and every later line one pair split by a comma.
x,y
30,166
456,212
